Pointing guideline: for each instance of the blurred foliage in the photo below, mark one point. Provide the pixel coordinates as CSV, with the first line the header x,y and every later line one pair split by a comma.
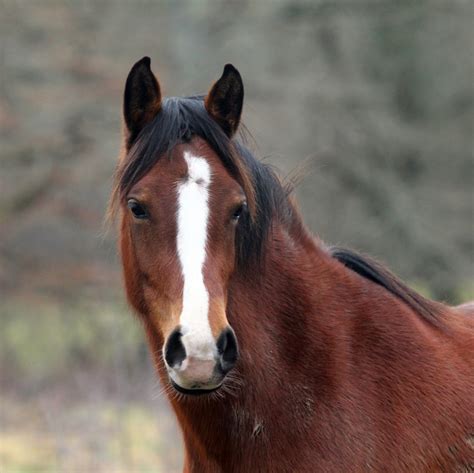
x,y
380,94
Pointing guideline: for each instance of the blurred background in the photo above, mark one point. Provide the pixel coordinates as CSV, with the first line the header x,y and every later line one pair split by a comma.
x,y
378,92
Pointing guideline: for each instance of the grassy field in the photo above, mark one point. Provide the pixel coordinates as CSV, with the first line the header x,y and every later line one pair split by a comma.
x,y
107,436
79,393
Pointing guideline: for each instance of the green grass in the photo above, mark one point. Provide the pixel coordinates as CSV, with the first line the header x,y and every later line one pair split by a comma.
x,y
124,438
68,400
41,342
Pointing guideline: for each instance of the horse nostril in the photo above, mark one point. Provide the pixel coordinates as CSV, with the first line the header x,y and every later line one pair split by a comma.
x,y
175,352
228,349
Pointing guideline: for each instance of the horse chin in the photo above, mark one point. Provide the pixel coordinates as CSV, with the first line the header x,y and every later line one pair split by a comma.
x,y
195,391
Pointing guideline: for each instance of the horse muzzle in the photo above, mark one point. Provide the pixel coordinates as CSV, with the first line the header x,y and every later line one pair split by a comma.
x,y
199,367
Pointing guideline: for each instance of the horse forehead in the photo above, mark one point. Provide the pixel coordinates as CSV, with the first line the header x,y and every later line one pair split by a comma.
x,y
194,162
199,169
201,149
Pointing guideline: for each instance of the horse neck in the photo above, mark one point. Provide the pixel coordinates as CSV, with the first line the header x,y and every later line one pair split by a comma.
x,y
297,383
272,310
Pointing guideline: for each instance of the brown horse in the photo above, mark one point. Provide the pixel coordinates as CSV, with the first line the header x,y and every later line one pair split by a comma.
x,y
278,353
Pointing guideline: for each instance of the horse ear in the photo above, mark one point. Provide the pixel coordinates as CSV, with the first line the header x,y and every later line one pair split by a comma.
x,y
141,99
225,99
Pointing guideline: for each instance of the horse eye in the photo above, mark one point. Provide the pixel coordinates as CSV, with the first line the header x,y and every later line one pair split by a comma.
x,y
238,212
137,209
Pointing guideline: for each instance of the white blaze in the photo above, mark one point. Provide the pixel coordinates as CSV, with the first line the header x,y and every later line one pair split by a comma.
x,y
193,212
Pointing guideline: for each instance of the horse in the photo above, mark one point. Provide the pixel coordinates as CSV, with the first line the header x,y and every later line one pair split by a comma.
x,y
277,352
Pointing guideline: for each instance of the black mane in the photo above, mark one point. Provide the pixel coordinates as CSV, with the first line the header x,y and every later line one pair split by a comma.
x,y
377,273
179,120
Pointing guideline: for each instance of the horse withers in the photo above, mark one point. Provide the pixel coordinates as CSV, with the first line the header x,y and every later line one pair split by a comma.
x,y
277,353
